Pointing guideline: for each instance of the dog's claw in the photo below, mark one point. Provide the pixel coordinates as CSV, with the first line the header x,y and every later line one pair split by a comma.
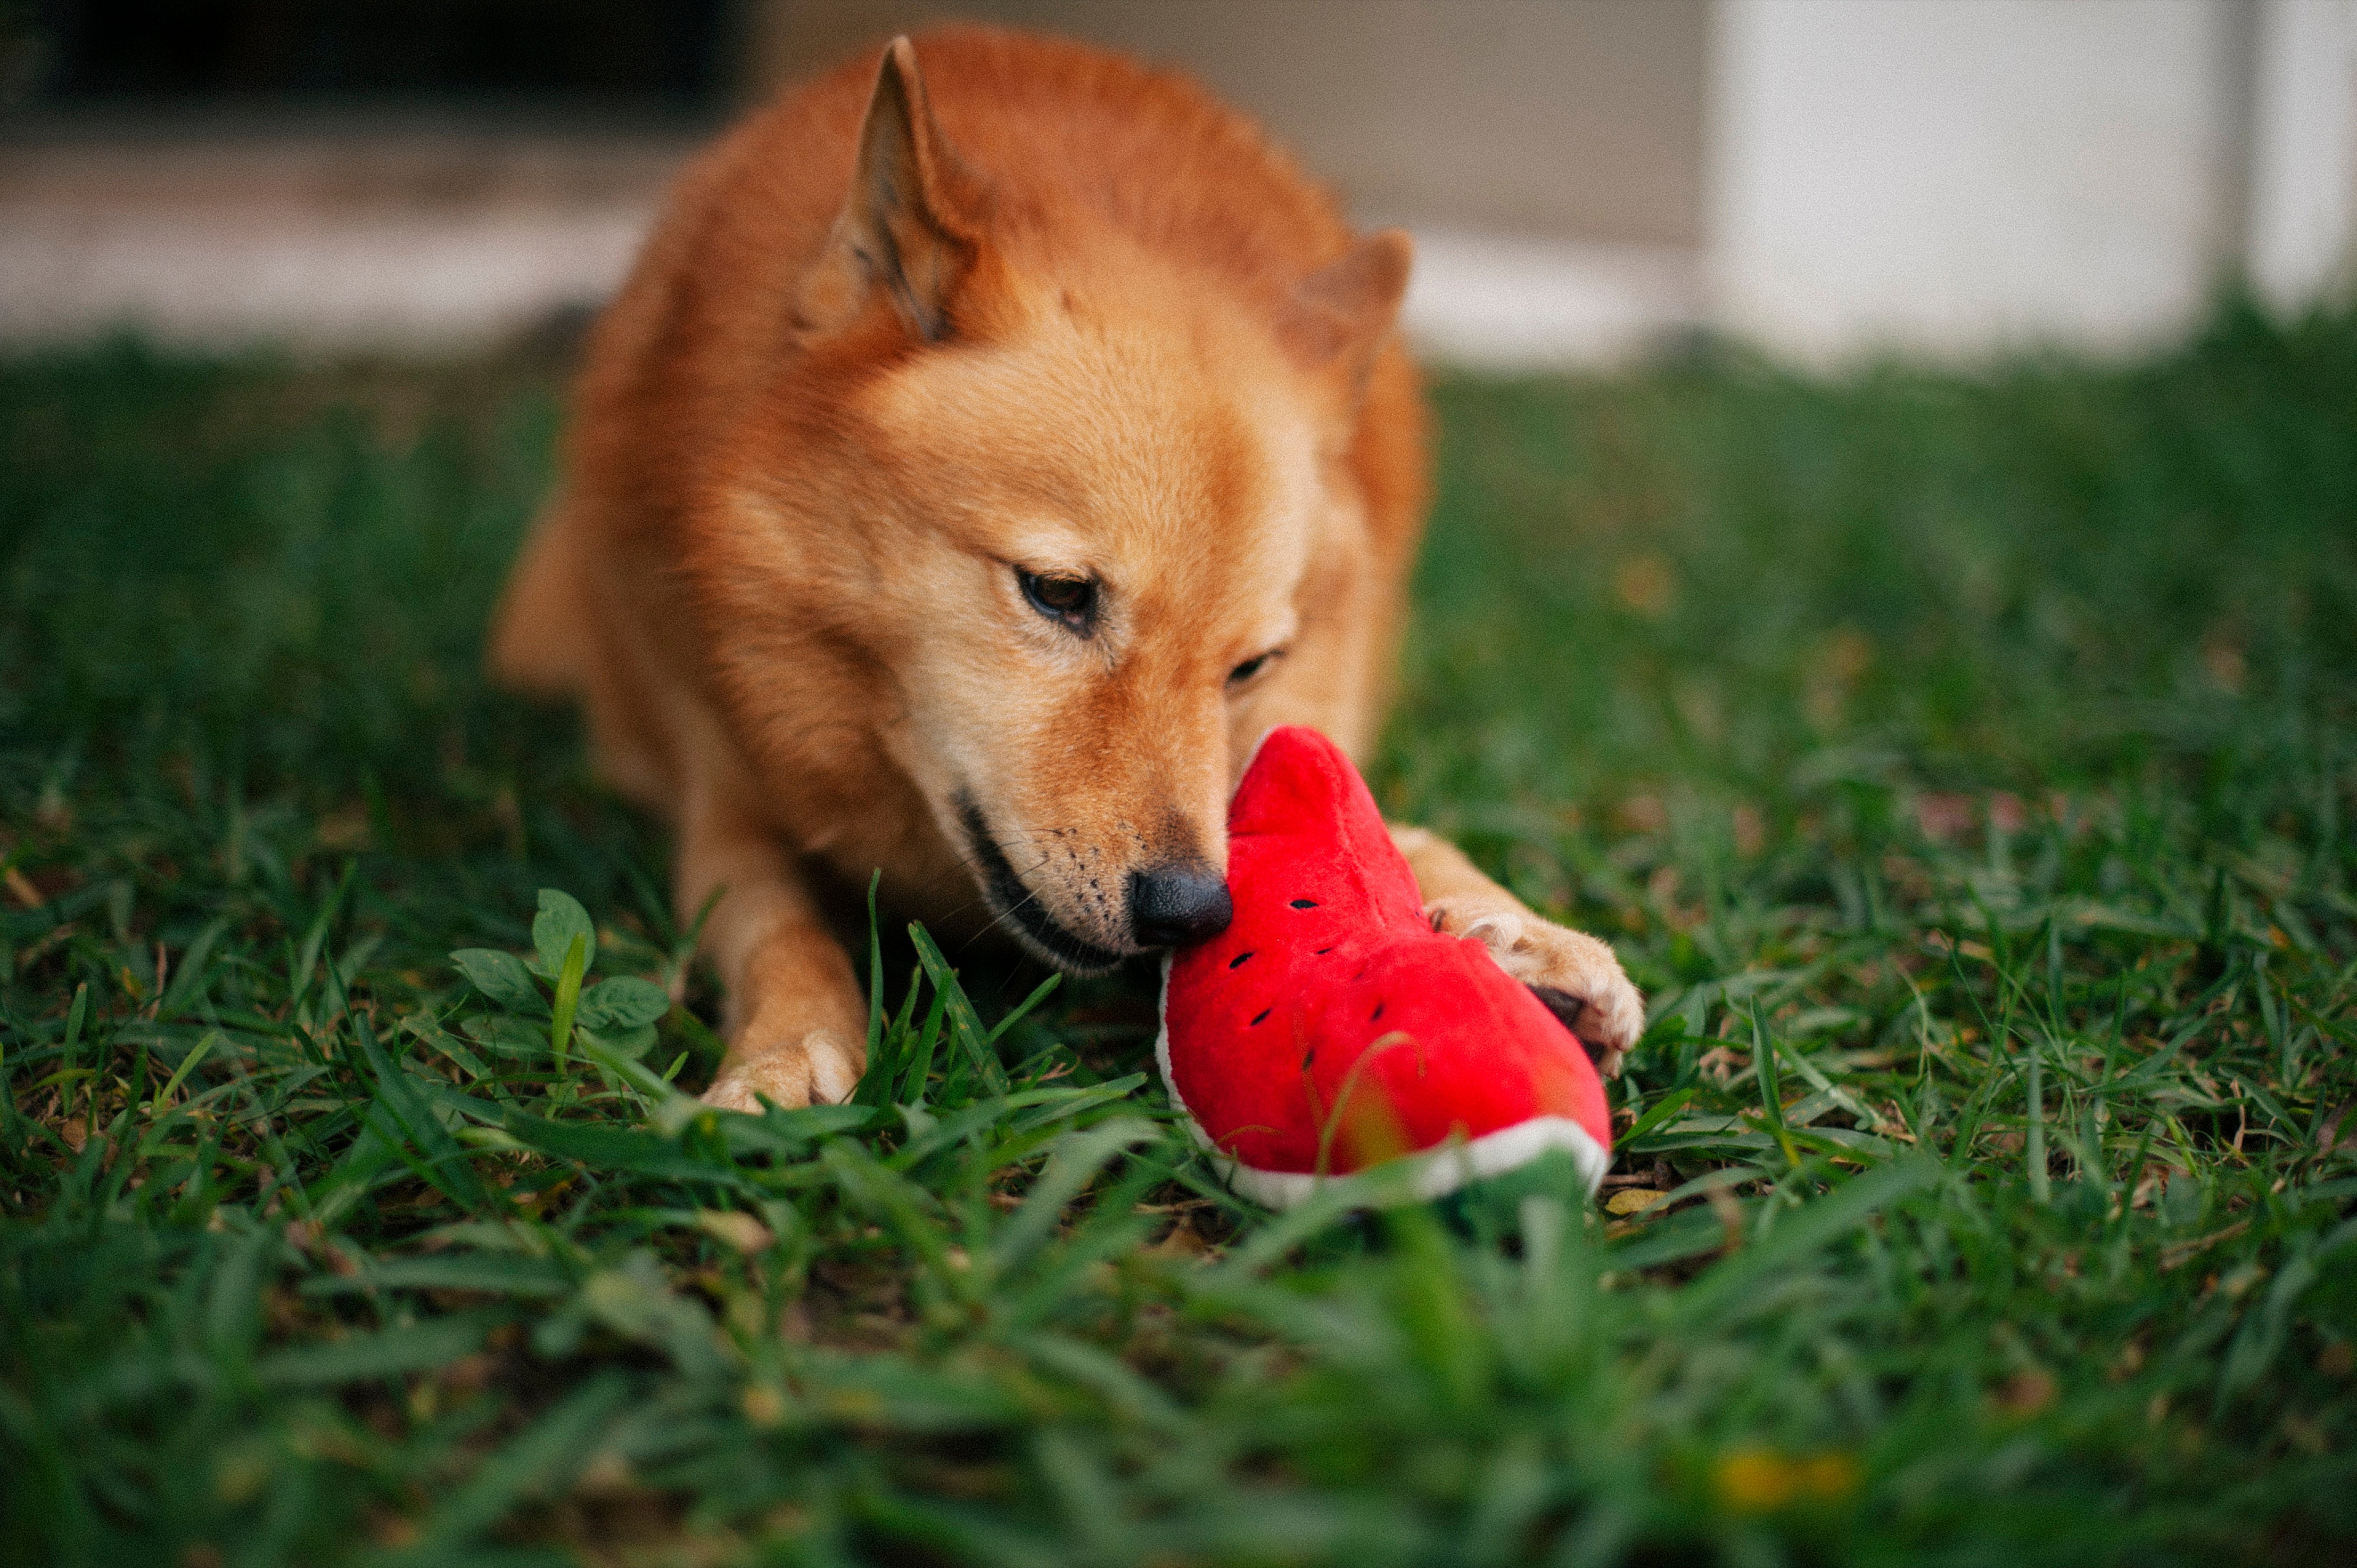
x,y
1573,973
1568,1010
816,1069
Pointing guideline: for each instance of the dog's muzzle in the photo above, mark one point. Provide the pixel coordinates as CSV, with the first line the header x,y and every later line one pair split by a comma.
x,y
1021,907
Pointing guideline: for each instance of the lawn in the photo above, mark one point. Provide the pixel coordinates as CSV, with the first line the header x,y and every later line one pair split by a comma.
x,y
1965,767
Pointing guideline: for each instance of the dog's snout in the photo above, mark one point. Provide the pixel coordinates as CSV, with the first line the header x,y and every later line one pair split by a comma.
x,y
1173,905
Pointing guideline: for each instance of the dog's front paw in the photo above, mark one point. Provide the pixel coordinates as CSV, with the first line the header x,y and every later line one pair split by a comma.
x,y
1575,974
812,1068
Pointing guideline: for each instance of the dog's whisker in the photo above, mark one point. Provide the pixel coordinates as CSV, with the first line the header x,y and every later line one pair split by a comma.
x,y
1007,918
982,897
1030,895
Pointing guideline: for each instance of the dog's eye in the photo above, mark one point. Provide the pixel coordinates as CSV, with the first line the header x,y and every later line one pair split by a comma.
x,y
1071,601
1249,668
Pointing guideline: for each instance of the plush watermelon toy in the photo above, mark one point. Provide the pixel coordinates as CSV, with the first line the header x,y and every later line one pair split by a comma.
x,y
1330,1029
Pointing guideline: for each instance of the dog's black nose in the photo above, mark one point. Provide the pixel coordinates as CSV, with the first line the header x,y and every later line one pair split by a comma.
x,y
1173,905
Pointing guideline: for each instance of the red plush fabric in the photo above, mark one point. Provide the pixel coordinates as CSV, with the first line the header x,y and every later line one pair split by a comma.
x,y
1330,1014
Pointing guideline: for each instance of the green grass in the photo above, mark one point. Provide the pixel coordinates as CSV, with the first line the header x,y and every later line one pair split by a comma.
x,y
1962,764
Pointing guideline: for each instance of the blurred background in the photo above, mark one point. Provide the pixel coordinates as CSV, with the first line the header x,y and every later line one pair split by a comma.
x,y
1588,179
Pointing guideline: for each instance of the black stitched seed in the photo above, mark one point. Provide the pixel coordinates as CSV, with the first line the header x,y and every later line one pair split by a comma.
x,y
1307,1056
1376,1013
1304,903
1238,960
1259,1016
1322,950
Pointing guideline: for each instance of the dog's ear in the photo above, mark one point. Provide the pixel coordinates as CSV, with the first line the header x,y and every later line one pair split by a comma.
x,y
911,228
1339,315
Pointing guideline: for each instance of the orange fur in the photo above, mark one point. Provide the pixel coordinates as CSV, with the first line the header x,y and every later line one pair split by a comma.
x,y
992,302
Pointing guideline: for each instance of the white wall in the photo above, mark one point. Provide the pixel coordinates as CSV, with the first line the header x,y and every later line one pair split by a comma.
x,y
1961,175
2303,186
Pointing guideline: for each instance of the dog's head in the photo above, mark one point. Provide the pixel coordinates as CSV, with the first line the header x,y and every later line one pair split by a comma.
x,y
1074,505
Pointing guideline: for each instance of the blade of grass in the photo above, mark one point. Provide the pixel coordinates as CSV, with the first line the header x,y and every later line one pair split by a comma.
x,y
567,998
964,1027
1771,1096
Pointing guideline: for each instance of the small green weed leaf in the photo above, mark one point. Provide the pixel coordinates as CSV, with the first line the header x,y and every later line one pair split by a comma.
x,y
514,1036
560,923
616,1006
629,1043
502,977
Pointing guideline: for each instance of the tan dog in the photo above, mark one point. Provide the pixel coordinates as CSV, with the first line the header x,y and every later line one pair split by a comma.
x,y
989,447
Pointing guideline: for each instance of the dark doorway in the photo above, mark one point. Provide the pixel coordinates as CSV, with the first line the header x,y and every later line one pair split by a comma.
x,y
556,52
